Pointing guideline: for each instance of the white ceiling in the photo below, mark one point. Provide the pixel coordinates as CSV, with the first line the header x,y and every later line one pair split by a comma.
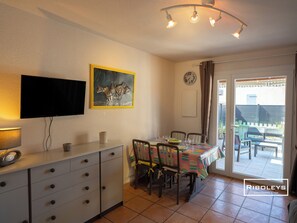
x,y
141,24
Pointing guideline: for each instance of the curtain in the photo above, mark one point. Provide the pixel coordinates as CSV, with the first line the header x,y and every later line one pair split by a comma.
x,y
293,180
206,81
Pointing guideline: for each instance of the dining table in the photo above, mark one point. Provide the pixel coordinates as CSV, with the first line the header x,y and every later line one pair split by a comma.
x,y
194,161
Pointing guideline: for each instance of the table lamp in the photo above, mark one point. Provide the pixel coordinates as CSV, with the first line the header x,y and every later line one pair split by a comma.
x,y
9,138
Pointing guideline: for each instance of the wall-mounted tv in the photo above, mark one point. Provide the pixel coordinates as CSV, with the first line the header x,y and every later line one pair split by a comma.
x,y
49,97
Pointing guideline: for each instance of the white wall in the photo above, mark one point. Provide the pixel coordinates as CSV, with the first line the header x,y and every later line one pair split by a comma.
x,y
35,45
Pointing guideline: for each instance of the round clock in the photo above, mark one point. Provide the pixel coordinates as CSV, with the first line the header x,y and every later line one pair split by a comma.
x,y
190,78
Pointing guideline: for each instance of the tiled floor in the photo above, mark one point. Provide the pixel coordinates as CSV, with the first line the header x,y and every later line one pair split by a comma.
x,y
221,201
264,165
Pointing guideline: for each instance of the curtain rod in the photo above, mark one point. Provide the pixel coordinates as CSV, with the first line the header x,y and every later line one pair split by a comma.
x,y
248,59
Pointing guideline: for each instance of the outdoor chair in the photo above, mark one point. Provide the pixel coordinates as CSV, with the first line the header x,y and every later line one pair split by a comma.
x,y
196,138
143,161
242,147
178,135
169,166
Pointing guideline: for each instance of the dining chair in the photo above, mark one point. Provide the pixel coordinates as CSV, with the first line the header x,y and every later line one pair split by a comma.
x,y
169,166
196,138
143,161
178,135
242,146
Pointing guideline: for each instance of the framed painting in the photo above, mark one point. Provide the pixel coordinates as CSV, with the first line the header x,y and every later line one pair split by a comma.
x,y
111,88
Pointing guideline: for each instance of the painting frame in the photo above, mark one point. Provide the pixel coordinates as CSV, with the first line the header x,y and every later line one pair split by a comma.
x,y
111,87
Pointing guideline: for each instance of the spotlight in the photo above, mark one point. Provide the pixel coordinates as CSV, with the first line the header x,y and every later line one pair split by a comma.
x,y
237,33
195,17
213,21
171,22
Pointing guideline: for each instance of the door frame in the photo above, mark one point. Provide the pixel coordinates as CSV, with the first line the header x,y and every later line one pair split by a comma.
x,y
230,76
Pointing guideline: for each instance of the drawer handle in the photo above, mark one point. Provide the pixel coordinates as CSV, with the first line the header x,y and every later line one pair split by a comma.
x,y
3,184
86,161
87,201
103,188
87,188
87,174
112,154
53,217
52,170
52,202
52,186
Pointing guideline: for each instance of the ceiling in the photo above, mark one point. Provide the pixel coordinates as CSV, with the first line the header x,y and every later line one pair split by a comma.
x,y
141,24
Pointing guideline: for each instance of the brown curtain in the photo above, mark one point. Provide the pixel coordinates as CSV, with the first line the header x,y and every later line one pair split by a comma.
x,y
206,81
293,180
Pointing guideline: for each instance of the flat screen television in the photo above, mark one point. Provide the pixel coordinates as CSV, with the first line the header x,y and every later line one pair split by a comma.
x,y
49,97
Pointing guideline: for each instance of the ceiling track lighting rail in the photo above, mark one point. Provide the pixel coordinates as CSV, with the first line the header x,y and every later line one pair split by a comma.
x,y
195,16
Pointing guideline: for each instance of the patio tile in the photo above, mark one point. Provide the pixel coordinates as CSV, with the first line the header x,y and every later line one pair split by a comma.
x,y
203,200
279,213
138,204
257,206
157,213
232,198
141,219
192,210
121,215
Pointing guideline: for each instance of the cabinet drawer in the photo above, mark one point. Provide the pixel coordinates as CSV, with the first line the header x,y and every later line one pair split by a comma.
x,y
55,200
84,161
14,206
13,180
49,171
50,186
77,211
111,154
85,174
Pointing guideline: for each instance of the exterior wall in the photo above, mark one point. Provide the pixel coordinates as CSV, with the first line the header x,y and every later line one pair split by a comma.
x,y
41,46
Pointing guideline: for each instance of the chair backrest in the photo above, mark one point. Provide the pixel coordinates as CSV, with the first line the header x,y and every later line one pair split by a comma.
x,y
196,138
178,135
168,156
237,142
142,151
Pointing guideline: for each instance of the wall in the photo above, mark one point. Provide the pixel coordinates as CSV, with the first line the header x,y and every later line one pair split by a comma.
x,y
41,46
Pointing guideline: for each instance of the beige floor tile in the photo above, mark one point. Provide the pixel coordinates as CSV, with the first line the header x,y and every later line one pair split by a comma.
x,y
234,190
212,216
257,206
249,216
279,213
215,193
178,218
141,219
138,204
153,197
232,198
170,202
102,220
192,210
203,200
228,209
121,215
157,213
128,196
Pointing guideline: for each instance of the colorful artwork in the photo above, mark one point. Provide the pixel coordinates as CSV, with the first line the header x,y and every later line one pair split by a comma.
x,y
111,88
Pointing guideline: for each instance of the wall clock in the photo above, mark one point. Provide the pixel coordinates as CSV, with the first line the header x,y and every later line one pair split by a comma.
x,y
190,78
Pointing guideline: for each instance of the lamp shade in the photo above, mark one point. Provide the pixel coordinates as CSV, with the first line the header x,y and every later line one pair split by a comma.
x,y
10,138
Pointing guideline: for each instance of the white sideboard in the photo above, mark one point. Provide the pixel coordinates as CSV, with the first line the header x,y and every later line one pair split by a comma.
x,y
58,186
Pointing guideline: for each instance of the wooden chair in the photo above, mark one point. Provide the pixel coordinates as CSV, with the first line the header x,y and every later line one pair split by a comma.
x,y
196,138
143,161
178,135
169,165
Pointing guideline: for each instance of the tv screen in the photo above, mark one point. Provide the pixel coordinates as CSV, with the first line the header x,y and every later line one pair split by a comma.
x,y
48,97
